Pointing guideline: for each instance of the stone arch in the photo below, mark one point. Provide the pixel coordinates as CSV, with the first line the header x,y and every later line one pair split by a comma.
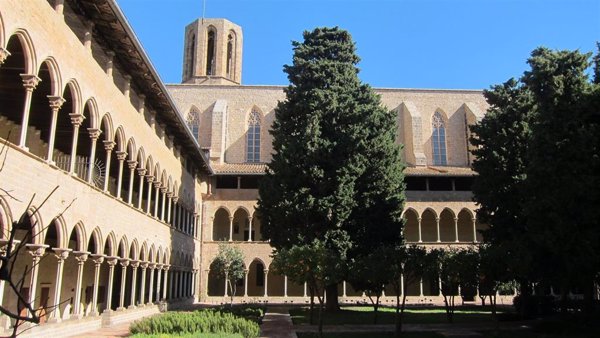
x,y
75,93
78,237
133,252
123,250
94,114
56,232
149,166
28,50
152,254
221,224
159,255
254,135
256,277
107,127
2,37
55,75
465,225
211,50
411,225
175,188
110,245
167,256
428,225
36,223
447,233
120,139
170,184
256,226
5,218
144,252
193,122
131,149
95,242
439,137
241,224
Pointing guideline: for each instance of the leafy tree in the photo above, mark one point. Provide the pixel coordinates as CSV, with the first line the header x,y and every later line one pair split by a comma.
x,y
494,272
335,173
229,265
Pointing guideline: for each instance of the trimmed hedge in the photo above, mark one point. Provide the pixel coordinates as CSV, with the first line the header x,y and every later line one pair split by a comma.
x,y
201,321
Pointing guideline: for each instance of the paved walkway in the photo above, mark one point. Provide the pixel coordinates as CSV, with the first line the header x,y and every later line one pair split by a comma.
x,y
277,323
121,330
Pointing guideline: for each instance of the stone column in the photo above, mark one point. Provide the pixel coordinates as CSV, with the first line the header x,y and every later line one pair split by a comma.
x,y
205,278
157,185
131,164
142,298
121,156
61,255
124,263
344,294
285,286
166,272
174,220
170,197
402,284
76,120
141,173
440,286
149,179
266,272
81,257
108,146
111,261
152,266
305,287
420,236
474,220
109,63
87,35
437,228
134,265
3,252
456,229
94,134
249,228
142,104
421,287
230,228
163,190
159,271
97,259
56,103
36,251
4,54
127,88
30,81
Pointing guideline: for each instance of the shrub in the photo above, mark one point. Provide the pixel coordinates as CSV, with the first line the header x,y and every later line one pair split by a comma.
x,y
250,312
534,306
202,321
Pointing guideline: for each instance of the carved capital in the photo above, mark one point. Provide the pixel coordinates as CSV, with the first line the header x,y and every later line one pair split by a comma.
x,y
124,262
81,256
134,263
4,54
76,119
157,184
152,266
169,194
30,81
4,245
94,133
166,267
112,260
121,155
55,102
109,145
36,250
175,199
97,259
149,178
163,190
132,164
61,254
144,265
141,171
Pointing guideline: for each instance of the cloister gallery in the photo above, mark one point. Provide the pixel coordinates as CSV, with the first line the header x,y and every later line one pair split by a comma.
x,y
152,178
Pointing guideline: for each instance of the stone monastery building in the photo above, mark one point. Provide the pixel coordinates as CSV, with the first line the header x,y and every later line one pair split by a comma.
x,y
152,178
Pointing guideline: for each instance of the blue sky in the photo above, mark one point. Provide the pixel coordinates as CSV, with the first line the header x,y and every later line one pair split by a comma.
x,y
468,44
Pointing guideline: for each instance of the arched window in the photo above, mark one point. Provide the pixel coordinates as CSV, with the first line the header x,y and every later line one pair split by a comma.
x,y
193,122
191,55
210,53
230,46
253,138
438,139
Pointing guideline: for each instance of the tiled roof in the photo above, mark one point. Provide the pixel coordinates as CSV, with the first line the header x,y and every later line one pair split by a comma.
x,y
259,169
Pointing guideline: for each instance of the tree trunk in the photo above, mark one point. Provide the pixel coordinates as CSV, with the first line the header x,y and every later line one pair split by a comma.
x,y
321,300
312,305
376,308
332,303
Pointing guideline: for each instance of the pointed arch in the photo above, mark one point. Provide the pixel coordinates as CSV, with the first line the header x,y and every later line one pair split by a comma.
x,y
107,127
110,245
133,252
193,122
211,50
152,254
92,107
75,94
5,219
144,252
123,250
55,76
96,241
78,237
231,54
253,142
120,139
149,166
167,256
28,50
2,36
60,226
159,255
157,171
131,149
37,224
438,138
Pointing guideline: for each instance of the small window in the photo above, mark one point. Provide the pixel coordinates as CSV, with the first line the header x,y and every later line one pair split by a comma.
x,y
210,53
230,48
438,140
253,138
191,56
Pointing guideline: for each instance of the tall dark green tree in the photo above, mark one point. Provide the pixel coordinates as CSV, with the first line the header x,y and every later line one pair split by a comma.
x,y
336,173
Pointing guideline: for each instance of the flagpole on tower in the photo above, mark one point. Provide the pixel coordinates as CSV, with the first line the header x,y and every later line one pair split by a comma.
x,y
203,9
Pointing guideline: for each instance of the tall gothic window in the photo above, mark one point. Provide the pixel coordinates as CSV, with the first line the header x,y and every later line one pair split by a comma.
x,y
191,56
210,53
193,122
230,46
438,140
253,138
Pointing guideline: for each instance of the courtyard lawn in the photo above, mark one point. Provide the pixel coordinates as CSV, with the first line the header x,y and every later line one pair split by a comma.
x,y
370,335
364,315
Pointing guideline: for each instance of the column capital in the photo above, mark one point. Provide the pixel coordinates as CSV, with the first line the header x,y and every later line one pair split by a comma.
x,y
132,164
124,262
121,155
159,266
4,245
97,259
4,54
76,119
94,133
134,263
157,184
109,145
61,254
112,260
30,81
149,178
169,194
163,189
36,250
81,256
55,102
144,265
166,267
141,171
152,265
175,198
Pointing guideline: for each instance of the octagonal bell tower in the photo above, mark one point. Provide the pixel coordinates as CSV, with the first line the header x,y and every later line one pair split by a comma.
x,y
212,52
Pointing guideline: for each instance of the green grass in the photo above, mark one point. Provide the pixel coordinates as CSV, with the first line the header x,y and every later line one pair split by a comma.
x,y
371,335
189,335
365,315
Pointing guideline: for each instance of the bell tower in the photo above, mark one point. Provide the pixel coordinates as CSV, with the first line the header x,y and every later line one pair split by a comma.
x,y
212,52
